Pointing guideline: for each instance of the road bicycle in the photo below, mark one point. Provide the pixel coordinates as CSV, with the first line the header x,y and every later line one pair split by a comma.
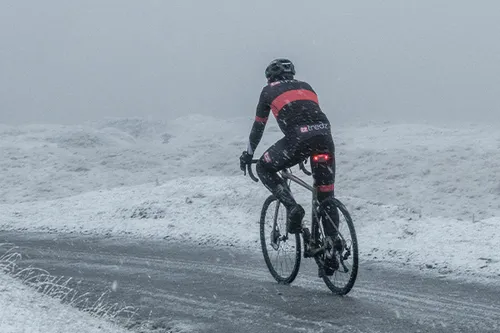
x,y
275,239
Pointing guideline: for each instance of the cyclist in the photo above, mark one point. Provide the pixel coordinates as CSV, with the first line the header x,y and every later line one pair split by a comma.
x,y
307,132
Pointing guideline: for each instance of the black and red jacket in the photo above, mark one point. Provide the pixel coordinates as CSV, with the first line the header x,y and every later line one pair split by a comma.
x,y
294,103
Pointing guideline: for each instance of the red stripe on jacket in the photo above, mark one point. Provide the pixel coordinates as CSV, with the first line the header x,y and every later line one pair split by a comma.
x,y
292,96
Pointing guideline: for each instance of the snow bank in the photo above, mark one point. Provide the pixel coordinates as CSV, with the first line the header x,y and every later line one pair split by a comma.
x,y
210,209
422,195
438,171
40,162
24,310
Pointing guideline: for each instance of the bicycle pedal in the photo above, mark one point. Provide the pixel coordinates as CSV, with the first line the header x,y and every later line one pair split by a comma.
x,y
309,253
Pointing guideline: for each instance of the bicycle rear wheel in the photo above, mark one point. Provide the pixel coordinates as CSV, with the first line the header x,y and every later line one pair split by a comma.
x,y
344,248
281,250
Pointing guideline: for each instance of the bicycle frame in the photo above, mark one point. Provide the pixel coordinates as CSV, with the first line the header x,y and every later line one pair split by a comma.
x,y
287,175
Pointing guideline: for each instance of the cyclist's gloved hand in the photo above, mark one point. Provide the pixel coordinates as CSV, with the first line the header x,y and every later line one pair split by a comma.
x,y
245,159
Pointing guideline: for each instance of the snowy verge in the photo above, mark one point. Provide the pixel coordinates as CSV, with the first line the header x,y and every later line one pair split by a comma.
x,y
224,211
46,300
24,310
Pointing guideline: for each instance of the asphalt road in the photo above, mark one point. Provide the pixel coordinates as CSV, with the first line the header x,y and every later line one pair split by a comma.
x,y
186,288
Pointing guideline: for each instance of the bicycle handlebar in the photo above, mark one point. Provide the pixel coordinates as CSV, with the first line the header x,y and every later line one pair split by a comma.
x,y
250,172
255,179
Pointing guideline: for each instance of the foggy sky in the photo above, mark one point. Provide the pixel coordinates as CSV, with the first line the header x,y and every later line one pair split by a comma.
x,y
70,61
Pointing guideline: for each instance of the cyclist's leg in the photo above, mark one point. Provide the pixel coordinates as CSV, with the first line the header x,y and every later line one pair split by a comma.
x,y
324,181
324,177
283,154
278,157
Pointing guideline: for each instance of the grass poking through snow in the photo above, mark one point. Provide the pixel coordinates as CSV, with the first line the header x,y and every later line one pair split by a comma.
x,y
59,287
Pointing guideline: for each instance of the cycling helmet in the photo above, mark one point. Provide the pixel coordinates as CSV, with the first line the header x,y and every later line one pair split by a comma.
x,y
280,68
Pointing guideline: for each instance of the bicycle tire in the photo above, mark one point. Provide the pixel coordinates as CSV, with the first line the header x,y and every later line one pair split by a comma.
x,y
289,278
354,245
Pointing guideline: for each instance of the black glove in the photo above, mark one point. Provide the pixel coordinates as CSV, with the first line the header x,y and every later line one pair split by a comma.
x,y
245,159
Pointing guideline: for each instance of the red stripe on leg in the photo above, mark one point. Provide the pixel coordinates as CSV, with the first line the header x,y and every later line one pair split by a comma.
x,y
260,119
326,188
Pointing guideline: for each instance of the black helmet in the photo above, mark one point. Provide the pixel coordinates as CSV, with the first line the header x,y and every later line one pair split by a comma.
x,y
280,68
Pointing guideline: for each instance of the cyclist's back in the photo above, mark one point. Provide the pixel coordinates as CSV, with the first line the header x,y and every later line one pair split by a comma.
x,y
293,103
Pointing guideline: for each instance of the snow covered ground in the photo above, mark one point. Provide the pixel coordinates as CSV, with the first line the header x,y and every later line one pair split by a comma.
x,y
420,195
22,310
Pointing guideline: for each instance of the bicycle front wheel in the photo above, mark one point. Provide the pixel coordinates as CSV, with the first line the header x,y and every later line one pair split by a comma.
x,y
281,250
